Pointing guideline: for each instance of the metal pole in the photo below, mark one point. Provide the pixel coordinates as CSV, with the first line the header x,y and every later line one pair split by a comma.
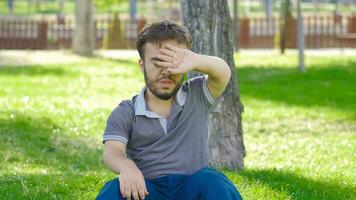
x,y
132,9
132,27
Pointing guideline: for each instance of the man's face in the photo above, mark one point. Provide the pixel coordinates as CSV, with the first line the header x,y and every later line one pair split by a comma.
x,y
157,81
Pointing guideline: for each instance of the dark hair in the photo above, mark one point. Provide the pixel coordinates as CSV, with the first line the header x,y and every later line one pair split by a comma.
x,y
160,31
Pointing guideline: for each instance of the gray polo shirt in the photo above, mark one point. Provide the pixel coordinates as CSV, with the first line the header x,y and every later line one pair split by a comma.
x,y
160,146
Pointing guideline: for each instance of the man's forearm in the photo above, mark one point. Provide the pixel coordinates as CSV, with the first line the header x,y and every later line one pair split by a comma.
x,y
216,68
114,160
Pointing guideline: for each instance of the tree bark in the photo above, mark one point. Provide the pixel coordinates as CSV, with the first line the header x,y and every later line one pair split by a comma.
x,y
285,23
300,37
210,25
83,39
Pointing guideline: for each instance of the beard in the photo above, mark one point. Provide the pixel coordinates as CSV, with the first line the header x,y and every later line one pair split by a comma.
x,y
155,91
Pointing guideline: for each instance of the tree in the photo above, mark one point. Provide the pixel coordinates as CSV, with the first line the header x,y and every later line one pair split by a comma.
x,y
300,37
285,23
210,24
84,39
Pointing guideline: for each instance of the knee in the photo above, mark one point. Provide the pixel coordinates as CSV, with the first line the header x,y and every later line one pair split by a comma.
x,y
110,191
216,182
208,176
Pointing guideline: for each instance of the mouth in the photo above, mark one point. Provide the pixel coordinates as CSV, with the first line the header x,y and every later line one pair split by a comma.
x,y
166,82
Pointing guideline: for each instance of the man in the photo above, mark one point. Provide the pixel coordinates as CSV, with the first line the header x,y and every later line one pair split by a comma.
x,y
163,130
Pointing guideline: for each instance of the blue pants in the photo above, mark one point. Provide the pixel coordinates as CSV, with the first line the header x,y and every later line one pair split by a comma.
x,y
205,184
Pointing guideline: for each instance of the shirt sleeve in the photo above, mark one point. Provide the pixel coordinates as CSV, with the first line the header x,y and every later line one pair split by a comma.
x,y
119,124
199,88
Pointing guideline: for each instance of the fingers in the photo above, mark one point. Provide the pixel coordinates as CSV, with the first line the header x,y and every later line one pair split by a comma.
x,y
172,48
164,64
145,188
167,52
164,58
142,189
135,192
122,188
127,191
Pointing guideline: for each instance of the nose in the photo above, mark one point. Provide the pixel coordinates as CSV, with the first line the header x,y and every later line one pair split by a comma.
x,y
164,71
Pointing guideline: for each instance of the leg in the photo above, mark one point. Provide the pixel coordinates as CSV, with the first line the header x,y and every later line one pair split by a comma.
x,y
209,184
111,191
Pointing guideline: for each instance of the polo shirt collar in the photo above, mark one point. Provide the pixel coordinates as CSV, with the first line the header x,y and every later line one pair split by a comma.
x,y
140,104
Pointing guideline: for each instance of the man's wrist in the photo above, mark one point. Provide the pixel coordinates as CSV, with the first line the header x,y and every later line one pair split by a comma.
x,y
124,163
201,62
197,66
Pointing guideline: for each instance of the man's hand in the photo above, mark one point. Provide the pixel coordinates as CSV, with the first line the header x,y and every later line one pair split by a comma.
x,y
176,60
132,181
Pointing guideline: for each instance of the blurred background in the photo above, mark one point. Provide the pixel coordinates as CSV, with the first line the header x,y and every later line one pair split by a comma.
x,y
49,24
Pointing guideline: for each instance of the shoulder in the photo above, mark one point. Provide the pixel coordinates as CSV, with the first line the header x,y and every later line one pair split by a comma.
x,y
195,81
125,108
197,87
193,85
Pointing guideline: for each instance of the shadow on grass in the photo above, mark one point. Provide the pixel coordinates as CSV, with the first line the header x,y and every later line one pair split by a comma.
x,y
25,139
36,70
323,86
299,187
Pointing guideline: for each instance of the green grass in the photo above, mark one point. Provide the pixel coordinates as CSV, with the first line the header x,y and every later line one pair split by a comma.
x,y
22,8
300,130
252,8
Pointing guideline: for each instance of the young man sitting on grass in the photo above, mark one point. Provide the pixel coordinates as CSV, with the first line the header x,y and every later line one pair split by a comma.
x,y
158,141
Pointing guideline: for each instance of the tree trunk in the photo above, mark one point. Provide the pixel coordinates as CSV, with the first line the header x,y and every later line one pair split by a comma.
x,y
285,23
83,38
210,23
300,37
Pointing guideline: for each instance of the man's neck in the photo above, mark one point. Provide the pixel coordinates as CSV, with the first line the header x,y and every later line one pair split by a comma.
x,y
157,105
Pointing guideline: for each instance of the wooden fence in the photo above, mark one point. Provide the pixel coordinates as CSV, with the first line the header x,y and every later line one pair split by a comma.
x,y
57,34
116,33
319,32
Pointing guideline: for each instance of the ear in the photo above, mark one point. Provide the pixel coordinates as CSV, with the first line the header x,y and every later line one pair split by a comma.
x,y
142,64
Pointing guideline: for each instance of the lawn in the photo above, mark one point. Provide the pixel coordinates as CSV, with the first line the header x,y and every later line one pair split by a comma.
x,y
299,128
251,8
